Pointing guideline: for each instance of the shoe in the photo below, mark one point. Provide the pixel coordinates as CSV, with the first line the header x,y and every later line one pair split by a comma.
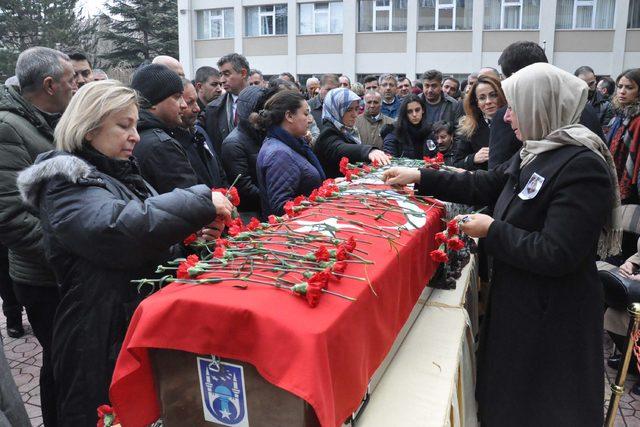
x,y
614,360
14,325
636,388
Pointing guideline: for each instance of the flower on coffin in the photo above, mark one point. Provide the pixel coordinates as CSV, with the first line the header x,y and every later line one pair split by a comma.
x,y
339,267
434,162
439,256
441,238
106,416
219,251
191,238
322,254
231,194
452,227
350,244
236,227
184,266
455,244
254,224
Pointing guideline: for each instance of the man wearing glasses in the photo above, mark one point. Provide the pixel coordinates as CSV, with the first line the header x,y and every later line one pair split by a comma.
x,y
597,100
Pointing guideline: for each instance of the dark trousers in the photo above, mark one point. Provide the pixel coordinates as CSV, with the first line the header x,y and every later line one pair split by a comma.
x,y
10,306
41,302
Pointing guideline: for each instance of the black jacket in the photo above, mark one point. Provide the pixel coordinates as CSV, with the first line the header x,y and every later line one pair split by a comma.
x,y
503,143
466,148
540,355
602,107
240,152
449,111
163,161
99,235
400,147
332,145
219,120
205,164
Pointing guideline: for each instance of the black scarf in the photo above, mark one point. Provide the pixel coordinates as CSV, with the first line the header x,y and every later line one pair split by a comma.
x,y
125,171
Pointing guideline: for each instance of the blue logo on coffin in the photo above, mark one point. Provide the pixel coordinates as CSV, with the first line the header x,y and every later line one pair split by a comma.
x,y
223,392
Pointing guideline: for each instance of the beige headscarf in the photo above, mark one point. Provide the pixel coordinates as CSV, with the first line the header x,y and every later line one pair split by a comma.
x,y
548,103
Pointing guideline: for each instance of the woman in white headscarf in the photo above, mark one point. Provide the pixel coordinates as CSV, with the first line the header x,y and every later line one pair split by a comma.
x,y
338,137
540,356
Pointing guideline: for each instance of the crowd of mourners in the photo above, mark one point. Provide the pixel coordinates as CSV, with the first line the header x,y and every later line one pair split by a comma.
x,y
100,182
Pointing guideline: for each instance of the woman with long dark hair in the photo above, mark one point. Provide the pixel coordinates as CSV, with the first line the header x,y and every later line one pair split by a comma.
x,y
480,105
409,138
286,165
624,135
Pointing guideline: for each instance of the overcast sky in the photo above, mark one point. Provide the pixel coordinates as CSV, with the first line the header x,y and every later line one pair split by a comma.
x,y
92,7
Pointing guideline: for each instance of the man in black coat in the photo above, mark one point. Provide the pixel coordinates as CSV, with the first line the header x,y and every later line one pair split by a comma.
x,y
221,114
503,143
205,163
162,160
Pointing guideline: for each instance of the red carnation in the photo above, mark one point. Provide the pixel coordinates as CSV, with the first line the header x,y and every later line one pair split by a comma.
x,y
289,208
322,254
298,200
190,239
455,244
439,158
441,238
366,168
222,242
341,253
350,244
313,294
236,227
254,224
439,256
313,195
344,164
219,252
320,279
273,220
347,175
339,267
233,196
184,266
375,163
452,227
106,416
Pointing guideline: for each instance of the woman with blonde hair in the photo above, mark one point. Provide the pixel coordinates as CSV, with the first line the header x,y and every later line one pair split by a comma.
x,y
480,105
103,226
540,354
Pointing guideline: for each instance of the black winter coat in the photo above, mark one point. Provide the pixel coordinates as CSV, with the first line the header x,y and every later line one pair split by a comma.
x,y
466,148
239,153
205,164
540,355
100,235
219,120
503,143
400,147
332,145
162,160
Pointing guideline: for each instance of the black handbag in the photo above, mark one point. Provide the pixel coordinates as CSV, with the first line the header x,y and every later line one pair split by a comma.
x,y
619,292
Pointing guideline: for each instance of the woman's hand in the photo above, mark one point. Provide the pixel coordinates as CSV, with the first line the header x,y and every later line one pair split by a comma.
x,y
380,156
482,156
212,231
475,225
628,269
401,176
223,206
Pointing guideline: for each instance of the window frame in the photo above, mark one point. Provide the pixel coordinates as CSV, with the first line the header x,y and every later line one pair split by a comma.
x,y
507,4
377,9
314,13
268,14
207,18
584,3
440,7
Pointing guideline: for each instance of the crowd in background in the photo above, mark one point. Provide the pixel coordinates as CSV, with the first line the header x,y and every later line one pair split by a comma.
x,y
100,182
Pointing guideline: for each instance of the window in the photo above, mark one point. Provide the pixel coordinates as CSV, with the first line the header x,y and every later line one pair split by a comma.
x,y
321,18
382,15
445,14
266,20
634,14
587,15
214,23
511,14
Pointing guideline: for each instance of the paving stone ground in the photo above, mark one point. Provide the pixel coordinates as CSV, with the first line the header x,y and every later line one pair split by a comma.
x,y
25,359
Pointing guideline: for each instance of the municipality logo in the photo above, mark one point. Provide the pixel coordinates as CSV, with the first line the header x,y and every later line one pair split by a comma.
x,y
223,392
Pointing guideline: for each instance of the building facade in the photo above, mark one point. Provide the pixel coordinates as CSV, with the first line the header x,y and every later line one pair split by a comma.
x,y
359,37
